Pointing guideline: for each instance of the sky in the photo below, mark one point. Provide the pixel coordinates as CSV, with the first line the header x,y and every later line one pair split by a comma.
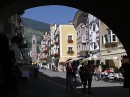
x,y
51,14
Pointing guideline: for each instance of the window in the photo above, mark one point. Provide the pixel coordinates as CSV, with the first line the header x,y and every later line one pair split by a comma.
x,y
83,38
109,35
94,27
105,38
112,36
58,50
95,46
33,41
70,48
70,40
69,37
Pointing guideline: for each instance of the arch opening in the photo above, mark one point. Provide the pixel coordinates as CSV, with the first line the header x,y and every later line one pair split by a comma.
x,y
112,26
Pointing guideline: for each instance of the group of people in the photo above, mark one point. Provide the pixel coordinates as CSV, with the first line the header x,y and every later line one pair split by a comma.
x,y
122,74
86,73
87,70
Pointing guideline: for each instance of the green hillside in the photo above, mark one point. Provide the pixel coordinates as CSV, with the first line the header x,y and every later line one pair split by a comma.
x,y
34,27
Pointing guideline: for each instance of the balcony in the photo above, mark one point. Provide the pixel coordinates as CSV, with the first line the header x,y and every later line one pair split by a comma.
x,y
83,53
56,55
70,41
111,44
57,43
70,52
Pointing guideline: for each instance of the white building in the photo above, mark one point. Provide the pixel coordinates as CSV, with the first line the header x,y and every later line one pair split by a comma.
x,y
53,28
94,48
87,27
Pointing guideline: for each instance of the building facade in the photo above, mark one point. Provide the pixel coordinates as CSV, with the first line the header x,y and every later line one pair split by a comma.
x,y
111,48
93,36
87,28
53,28
80,24
63,43
68,42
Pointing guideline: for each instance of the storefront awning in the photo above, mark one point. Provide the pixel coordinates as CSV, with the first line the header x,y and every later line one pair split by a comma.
x,y
78,58
89,58
92,58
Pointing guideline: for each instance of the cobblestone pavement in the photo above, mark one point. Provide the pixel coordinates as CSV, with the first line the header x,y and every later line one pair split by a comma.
x,y
52,84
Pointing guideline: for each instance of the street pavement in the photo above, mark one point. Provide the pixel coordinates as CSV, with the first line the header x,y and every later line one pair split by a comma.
x,y
53,84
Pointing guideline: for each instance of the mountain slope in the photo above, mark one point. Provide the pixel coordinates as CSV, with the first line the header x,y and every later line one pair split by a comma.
x,y
34,27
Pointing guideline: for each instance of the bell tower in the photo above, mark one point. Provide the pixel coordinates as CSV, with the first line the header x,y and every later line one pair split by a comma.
x,y
34,48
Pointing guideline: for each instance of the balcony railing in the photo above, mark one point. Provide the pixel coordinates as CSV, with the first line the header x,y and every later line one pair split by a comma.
x,y
111,44
83,53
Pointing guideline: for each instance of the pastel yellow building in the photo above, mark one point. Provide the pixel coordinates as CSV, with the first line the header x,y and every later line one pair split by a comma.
x,y
68,41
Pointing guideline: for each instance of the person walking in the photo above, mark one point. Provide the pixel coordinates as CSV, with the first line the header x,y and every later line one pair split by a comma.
x,y
36,68
74,69
88,74
81,73
69,76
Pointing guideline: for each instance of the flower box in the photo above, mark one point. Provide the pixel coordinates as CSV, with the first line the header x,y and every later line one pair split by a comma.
x,y
70,41
111,44
71,52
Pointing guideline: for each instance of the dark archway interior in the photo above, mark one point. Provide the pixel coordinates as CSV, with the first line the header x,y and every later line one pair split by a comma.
x,y
115,14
